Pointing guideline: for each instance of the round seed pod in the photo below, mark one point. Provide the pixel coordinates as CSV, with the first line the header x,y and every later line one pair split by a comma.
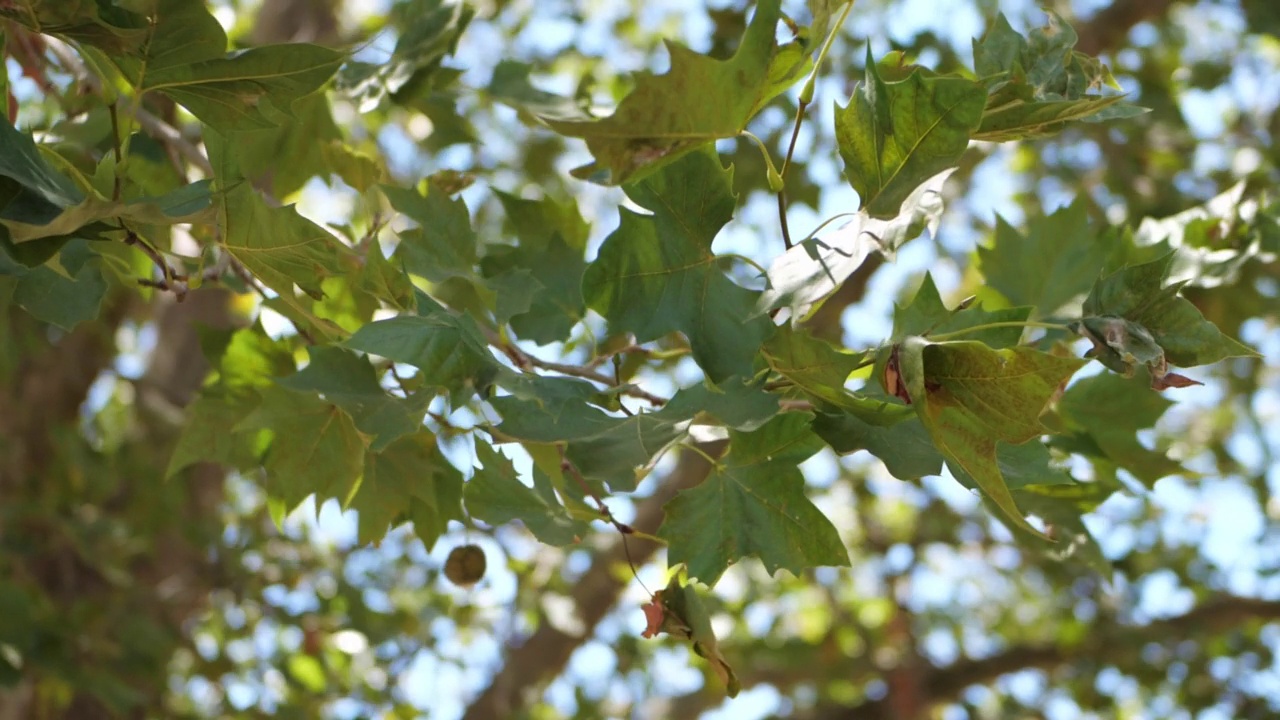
x,y
465,565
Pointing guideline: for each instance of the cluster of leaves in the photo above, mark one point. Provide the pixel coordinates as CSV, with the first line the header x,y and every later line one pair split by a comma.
x,y
396,346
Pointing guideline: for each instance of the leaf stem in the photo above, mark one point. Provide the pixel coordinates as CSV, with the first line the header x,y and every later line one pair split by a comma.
x,y
806,97
988,326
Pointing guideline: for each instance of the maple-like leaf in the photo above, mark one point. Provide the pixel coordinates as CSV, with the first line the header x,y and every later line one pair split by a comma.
x,y
496,496
1101,416
894,136
926,315
820,370
678,611
700,99
656,273
754,503
409,480
1134,318
1038,84
972,397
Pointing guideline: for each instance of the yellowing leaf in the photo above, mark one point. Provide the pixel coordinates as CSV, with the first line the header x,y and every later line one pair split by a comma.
x,y
971,397
699,100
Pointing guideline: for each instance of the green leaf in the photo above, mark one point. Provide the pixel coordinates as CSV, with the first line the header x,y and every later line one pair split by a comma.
x,y
351,383
1138,295
1020,466
443,245
315,448
1061,507
32,192
448,349
894,136
905,448
97,22
971,397
808,273
754,503
616,450
205,436
1053,265
229,93
279,246
408,480
1103,414
553,239
510,85
1038,84
700,99
656,274
926,315
65,298
429,30
685,617
821,370
180,32
734,402
496,496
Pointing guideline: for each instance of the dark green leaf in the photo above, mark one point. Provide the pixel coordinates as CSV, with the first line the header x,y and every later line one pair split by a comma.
x,y
350,383
315,448
754,503
926,315
1105,412
656,274
448,349
408,480
496,496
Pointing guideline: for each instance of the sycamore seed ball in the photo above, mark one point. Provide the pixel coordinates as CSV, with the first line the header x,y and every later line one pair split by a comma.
x,y
465,566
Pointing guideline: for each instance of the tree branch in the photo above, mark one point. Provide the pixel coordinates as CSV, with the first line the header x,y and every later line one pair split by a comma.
x,y
944,684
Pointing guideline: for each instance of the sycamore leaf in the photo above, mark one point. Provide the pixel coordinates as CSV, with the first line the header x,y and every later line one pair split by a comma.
x,y
905,448
656,274
678,611
808,273
1038,84
408,480
32,192
700,99
894,136
754,503
496,496
1061,507
279,246
1053,264
443,245
351,383
1133,308
553,239
448,349
315,448
1102,415
101,23
820,370
63,298
616,450
971,397
431,31
510,85
735,403
180,32
205,437
1029,463
926,315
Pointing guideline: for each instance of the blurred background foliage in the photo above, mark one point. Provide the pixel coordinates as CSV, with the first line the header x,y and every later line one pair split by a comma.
x,y
181,599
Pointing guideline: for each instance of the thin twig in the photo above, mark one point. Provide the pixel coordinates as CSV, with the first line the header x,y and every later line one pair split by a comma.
x,y
566,465
156,127
524,360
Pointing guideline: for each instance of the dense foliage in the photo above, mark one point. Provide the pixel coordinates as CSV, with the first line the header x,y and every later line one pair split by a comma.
x,y
451,331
